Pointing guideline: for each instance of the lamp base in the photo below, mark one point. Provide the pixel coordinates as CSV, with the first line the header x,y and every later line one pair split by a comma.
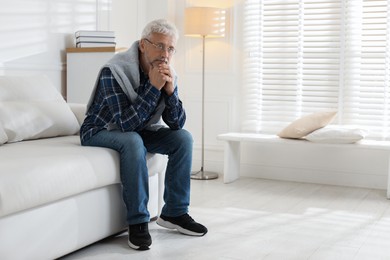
x,y
203,175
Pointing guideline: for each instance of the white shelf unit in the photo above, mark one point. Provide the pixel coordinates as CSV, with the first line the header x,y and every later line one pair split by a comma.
x,y
83,65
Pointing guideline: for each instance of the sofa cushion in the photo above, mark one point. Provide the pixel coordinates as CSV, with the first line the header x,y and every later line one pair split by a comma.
x,y
307,124
41,171
31,108
337,135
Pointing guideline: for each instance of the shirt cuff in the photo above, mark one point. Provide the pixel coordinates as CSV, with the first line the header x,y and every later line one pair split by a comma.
x,y
172,100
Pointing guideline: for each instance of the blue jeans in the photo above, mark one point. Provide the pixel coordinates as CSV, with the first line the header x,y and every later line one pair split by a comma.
x,y
132,148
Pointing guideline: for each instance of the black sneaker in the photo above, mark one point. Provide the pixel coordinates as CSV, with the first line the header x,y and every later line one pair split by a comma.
x,y
184,224
139,237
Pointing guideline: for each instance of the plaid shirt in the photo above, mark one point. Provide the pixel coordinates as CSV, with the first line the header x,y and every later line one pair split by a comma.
x,y
112,106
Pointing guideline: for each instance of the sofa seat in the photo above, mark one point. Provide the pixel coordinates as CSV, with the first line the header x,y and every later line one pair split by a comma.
x,y
41,171
57,196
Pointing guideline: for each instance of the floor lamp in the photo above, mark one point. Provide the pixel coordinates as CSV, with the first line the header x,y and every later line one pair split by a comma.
x,y
204,22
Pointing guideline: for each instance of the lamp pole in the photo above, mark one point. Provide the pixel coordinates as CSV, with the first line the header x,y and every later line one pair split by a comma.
x,y
203,175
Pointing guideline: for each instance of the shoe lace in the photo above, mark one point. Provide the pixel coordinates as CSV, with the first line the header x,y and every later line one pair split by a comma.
x,y
187,218
143,227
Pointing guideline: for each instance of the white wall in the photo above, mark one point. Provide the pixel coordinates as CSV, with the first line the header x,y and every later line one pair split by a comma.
x,y
35,34
127,19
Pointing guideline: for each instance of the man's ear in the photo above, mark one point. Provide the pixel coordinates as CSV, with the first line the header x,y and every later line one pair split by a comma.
x,y
142,45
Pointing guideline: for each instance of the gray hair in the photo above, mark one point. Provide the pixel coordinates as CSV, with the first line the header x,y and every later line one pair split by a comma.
x,y
160,26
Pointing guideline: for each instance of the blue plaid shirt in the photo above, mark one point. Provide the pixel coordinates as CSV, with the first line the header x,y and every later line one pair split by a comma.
x,y
112,106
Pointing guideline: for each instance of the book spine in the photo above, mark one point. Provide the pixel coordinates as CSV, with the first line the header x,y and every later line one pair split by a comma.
x,y
95,33
94,44
95,39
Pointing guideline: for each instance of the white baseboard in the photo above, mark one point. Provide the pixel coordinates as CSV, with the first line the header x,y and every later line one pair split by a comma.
x,y
351,179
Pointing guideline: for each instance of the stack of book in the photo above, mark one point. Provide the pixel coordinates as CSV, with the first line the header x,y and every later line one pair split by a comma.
x,y
95,39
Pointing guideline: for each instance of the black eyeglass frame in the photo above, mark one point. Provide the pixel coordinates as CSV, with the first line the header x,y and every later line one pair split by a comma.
x,y
161,47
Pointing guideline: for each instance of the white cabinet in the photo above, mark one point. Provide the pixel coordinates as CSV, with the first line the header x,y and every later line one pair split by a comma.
x,y
83,65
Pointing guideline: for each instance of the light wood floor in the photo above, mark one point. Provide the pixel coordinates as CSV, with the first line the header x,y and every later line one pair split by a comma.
x,y
264,219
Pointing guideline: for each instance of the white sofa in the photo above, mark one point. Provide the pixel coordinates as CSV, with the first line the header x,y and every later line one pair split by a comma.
x,y
56,196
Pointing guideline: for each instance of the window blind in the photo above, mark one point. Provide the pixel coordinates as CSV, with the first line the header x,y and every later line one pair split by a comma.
x,y
314,55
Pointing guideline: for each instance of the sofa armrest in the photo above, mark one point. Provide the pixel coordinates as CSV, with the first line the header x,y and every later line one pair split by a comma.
x,y
79,110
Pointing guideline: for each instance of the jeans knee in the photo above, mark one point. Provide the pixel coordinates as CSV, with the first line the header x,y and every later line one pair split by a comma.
x,y
133,144
184,138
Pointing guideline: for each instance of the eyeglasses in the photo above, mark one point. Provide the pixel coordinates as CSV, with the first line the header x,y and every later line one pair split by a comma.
x,y
161,47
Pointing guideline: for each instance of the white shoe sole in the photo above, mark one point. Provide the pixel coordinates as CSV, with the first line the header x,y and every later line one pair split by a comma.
x,y
143,247
170,225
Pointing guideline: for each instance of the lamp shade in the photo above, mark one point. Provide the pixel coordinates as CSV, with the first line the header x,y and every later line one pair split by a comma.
x,y
204,21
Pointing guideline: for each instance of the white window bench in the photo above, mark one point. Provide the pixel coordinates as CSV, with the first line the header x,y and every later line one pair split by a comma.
x,y
373,155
